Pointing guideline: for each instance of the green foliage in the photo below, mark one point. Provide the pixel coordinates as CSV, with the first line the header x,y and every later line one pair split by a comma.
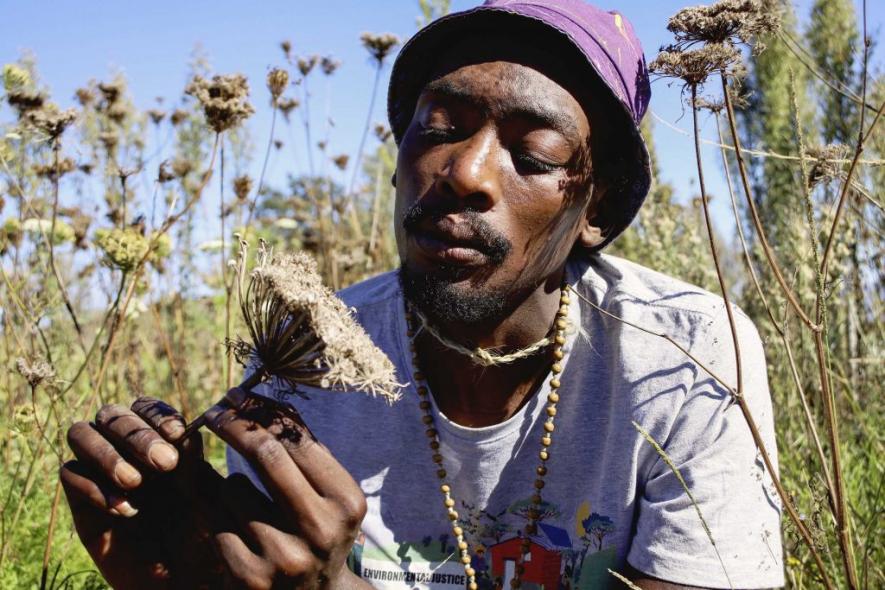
x,y
667,235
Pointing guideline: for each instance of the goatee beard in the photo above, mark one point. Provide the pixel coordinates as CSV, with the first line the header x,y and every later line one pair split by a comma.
x,y
447,302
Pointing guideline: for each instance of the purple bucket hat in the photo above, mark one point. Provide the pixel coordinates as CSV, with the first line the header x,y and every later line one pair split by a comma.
x,y
607,43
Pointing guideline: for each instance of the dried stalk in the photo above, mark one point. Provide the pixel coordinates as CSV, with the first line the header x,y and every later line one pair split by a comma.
x,y
183,403
754,213
139,268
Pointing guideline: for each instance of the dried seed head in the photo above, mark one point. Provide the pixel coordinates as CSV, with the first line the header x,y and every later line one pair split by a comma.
x,y
382,132
306,64
340,161
301,334
177,116
85,96
25,101
278,144
156,116
726,21
329,64
829,163
111,91
714,105
51,171
242,187
182,167
165,173
109,140
117,112
286,46
80,224
287,105
50,120
694,66
277,80
379,46
224,99
35,372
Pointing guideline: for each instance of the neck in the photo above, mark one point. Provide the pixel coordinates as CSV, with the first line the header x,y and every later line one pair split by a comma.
x,y
472,395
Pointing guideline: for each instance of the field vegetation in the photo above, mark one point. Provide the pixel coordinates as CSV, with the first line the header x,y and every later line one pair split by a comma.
x,y
113,286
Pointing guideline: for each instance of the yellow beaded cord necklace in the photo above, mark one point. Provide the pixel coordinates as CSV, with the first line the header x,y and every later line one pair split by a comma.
x,y
559,326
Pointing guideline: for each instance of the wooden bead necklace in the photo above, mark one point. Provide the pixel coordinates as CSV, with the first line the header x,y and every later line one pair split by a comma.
x,y
558,340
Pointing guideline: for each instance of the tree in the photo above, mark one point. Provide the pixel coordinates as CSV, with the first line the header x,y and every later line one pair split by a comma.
x,y
596,527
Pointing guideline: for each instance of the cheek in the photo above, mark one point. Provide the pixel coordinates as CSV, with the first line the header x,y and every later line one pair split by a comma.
x,y
536,210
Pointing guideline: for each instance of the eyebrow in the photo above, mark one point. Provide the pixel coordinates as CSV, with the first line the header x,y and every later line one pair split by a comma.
x,y
524,107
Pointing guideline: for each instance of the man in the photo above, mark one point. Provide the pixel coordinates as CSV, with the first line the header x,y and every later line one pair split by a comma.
x,y
519,432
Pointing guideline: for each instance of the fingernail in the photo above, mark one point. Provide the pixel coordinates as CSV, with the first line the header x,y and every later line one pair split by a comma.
x,y
163,456
174,429
127,475
122,507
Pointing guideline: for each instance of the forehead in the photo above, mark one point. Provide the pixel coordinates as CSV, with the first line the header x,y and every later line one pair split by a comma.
x,y
503,89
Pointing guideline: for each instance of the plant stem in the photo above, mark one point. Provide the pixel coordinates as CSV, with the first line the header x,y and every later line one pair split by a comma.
x,y
739,393
757,223
47,549
254,202
247,384
56,148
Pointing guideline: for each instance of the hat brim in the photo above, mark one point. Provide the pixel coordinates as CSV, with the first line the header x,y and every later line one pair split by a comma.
x,y
416,62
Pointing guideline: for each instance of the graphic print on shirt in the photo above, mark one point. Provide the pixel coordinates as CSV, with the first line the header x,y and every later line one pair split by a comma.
x,y
568,552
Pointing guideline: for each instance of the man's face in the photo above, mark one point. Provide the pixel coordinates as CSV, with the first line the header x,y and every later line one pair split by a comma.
x,y
489,194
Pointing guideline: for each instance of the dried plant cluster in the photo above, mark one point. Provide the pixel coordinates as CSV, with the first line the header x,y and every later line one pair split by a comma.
x,y
301,333
379,46
224,99
708,37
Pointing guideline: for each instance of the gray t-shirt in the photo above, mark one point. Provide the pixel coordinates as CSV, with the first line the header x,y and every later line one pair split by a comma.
x,y
609,496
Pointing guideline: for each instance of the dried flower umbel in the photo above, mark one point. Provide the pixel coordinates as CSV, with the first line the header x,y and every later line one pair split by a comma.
x,y
726,21
242,187
301,334
828,165
35,372
694,66
379,46
224,99
277,80
50,120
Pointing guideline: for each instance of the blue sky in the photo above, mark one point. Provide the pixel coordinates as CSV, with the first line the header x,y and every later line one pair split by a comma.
x,y
151,43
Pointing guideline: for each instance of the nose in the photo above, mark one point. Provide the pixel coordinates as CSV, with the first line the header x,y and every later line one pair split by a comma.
x,y
471,171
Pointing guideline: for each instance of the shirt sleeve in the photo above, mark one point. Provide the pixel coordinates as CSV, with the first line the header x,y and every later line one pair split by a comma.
x,y
711,445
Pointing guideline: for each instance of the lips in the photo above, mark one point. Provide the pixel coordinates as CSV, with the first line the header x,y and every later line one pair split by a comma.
x,y
448,242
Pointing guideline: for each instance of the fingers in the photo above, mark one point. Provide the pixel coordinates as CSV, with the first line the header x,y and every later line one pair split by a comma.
x,y
161,417
81,488
320,468
167,421
262,532
90,447
136,438
271,460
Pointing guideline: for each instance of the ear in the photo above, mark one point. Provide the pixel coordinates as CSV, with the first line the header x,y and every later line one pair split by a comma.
x,y
591,234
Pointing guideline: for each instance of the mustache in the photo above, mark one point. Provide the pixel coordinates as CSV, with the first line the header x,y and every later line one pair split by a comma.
x,y
485,238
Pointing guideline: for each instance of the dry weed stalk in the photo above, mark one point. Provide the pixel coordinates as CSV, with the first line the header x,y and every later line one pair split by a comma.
x,y
728,24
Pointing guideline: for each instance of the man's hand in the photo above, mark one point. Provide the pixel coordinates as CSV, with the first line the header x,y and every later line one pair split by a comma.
x,y
137,502
300,539
153,518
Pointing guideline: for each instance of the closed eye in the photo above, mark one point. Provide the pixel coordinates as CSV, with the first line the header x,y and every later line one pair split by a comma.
x,y
527,164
